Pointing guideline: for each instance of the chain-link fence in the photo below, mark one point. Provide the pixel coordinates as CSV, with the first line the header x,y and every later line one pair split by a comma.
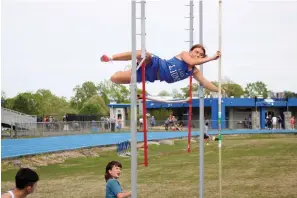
x,y
43,129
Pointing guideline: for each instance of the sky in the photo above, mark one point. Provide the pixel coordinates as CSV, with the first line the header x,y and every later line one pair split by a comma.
x,y
57,44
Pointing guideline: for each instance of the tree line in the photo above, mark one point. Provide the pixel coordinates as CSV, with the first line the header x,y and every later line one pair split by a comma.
x,y
91,99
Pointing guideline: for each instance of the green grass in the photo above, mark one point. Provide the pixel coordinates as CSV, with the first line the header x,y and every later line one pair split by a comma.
x,y
254,166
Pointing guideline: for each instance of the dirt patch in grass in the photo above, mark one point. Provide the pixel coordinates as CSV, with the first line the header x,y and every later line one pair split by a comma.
x,y
51,158
58,157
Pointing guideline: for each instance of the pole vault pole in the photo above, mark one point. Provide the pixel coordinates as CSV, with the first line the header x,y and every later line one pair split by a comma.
x,y
133,122
201,107
220,100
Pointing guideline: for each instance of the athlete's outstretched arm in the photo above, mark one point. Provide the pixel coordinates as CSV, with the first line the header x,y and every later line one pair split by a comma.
x,y
198,61
206,84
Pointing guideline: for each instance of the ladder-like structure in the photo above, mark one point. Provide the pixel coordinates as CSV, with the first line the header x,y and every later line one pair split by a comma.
x,y
191,43
134,94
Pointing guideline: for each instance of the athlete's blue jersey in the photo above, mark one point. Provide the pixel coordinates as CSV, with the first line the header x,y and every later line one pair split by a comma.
x,y
172,70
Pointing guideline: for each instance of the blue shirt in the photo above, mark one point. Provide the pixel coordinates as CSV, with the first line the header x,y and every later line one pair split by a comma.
x,y
113,188
174,70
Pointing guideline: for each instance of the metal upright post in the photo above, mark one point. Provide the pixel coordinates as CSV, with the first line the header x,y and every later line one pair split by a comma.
x,y
191,42
143,56
133,105
201,107
191,32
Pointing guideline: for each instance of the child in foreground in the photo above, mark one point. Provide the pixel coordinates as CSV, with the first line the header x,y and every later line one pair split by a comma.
x,y
113,187
25,184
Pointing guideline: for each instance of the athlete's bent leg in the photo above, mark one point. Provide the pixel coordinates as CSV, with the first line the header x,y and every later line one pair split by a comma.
x,y
121,77
126,56
124,77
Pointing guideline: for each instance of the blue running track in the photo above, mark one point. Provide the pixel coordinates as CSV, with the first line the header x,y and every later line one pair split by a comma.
x,y
20,147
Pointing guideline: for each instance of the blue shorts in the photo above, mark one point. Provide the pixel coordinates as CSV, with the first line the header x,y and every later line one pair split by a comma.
x,y
151,70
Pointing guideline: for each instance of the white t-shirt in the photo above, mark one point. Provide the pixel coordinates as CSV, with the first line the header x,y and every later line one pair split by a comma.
x,y
274,120
206,130
11,194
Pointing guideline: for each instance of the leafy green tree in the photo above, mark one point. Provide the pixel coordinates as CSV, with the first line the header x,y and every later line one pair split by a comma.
x,y
8,103
111,91
3,95
256,88
290,94
161,114
26,103
164,93
94,106
233,89
176,94
139,92
186,90
83,93
51,104
230,88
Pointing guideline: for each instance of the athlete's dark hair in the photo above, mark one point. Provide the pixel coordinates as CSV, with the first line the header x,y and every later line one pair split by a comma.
x,y
25,177
198,46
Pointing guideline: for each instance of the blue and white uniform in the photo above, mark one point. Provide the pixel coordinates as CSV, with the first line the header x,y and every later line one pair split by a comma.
x,y
171,71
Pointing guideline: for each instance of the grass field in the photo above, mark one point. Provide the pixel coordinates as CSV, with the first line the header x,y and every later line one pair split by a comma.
x,y
254,166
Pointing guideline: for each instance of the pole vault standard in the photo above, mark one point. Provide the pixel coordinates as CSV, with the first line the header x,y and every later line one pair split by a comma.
x,y
200,92
143,55
133,85
134,91
133,122
191,42
201,107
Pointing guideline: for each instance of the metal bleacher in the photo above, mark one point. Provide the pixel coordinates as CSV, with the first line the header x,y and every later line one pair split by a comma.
x,y
13,119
